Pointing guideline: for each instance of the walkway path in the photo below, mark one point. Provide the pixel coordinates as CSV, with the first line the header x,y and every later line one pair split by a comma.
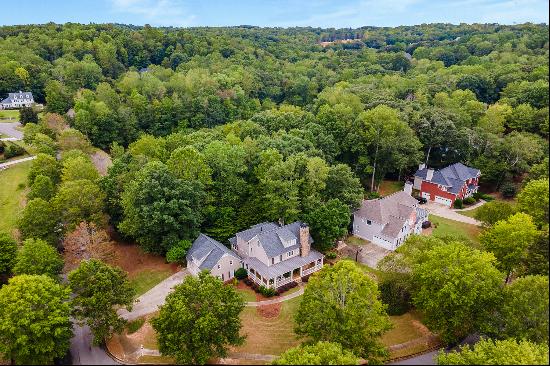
x,y
150,301
11,130
300,292
13,162
446,212
473,207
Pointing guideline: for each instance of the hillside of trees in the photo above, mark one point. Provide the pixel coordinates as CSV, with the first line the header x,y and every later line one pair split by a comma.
x,y
252,124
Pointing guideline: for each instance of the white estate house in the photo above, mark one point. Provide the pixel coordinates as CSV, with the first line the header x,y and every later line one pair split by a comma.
x,y
389,221
273,255
17,100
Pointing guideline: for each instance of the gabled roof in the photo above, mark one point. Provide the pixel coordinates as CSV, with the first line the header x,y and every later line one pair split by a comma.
x,y
273,238
453,176
391,211
17,96
207,252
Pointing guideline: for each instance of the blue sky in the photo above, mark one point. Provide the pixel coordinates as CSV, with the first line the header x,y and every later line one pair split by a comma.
x,y
284,13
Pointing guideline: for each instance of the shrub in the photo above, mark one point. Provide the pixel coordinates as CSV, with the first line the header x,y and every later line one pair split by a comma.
x,y
306,278
177,253
248,281
266,291
330,255
2,147
395,293
241,273
135,325
469,200
13,150
508,190
477,195
458,203
372,195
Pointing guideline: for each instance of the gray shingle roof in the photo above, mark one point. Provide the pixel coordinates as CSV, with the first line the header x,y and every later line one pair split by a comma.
x,y
452,176
272,237
208,252
391,211
17,97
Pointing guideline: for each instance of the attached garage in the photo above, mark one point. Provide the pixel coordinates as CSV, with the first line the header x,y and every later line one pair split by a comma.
x,y
443,201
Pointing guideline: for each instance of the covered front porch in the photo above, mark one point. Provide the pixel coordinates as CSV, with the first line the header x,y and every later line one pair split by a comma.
x,y
284,272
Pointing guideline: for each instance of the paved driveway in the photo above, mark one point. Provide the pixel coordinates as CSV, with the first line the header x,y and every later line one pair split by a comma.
x,y
448,213
368,253
150,301
10,129
84,353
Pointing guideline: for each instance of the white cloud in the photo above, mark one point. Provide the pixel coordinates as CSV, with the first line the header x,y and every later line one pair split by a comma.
x,y
156,12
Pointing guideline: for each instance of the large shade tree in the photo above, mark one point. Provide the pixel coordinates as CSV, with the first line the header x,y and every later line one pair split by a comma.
x,y
199,320
35,327
99,290
340,304
457,287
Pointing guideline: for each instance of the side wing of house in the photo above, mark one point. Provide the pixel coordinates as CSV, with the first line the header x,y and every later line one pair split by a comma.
x,y
225,267
365,228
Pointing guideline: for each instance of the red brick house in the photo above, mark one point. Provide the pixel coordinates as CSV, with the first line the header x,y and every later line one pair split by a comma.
x,y
445,185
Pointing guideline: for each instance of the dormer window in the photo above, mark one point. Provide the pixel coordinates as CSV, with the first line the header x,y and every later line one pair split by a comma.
x,y
369,222
272,260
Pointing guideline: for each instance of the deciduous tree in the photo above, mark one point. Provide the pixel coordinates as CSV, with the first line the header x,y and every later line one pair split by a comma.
x,y
34,320
99,291
199,320
36,257
320,353
340,304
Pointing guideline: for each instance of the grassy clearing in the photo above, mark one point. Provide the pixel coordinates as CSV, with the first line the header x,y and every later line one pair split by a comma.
x,y
134,325
354,240
9,115
388,187
147,279
405,328
269,336
12,194
454,228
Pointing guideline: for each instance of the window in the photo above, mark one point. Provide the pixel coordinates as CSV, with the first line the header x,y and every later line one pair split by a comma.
x,y
369,222
290,253
281,258
272,260
219,266
230,263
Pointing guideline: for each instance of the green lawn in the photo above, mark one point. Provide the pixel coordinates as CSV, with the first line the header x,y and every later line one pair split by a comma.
x,y
247,294
388,187
12,194
147,279
454,228
7,114
269,336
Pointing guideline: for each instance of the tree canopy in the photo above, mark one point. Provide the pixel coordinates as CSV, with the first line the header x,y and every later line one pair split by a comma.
x,y
320,353
340,304
199,320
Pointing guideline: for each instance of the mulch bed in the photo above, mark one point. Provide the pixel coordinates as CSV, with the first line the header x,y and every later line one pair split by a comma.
x,y
269,311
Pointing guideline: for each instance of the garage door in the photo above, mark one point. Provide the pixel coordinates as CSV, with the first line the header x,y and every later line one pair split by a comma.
x,y
426,195
443,201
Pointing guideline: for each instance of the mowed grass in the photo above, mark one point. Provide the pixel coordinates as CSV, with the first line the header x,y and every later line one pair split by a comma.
x,y
7,114
12,195
388,187
147,279
269,336
454,228
403,330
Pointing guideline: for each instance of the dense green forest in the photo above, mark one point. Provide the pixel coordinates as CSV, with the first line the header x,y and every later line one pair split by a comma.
x,y
219,128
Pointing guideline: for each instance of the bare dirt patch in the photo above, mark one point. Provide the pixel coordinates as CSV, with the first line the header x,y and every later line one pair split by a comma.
x,y
132,259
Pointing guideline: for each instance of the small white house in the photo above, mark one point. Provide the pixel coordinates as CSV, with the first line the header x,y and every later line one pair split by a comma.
x,y
17,100
389,221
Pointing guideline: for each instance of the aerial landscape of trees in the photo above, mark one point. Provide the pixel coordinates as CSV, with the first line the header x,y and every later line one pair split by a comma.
x,y
214,130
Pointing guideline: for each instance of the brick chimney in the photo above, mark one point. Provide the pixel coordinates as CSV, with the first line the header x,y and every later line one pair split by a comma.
x,y
304,240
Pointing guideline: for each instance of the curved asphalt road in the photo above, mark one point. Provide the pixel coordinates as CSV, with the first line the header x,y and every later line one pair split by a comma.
x,y
425,359
84,353
9,129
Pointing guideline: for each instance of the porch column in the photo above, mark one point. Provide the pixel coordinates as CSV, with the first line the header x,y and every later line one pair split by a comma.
x,y
301,271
